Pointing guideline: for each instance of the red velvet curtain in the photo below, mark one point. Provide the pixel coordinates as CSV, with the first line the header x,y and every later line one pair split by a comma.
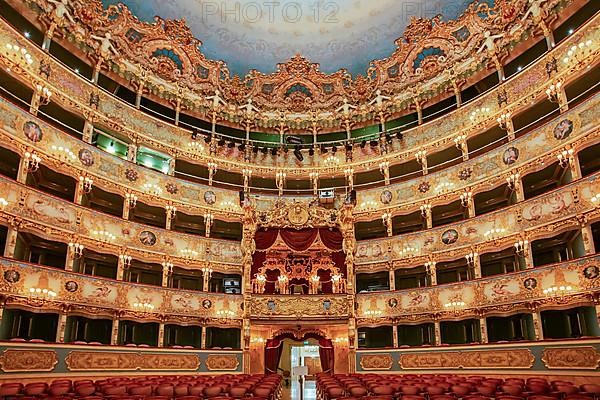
x,y
273,349
299,240
326,355
331,238
265,238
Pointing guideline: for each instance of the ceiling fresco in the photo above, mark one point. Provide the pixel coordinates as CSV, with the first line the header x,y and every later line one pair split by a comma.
x,y
260,34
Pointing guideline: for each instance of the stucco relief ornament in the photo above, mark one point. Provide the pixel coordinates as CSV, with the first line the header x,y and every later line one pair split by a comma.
x,y
489,43
346,108
105,46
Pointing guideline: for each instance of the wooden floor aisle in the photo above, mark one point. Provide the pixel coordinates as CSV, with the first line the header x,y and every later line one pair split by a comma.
x,y
293,393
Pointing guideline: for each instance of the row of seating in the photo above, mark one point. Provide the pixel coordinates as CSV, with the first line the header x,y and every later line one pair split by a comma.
x,y
193,387
448,387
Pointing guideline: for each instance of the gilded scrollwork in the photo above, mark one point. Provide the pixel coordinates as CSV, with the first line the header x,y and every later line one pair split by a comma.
x,y
28,360
483,359
222,362
376,362
584,358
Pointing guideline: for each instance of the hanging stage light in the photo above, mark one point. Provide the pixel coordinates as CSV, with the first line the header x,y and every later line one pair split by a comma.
x,y
242,147
334,149
298,153
388,137
399,136
207,139
311,151
255,149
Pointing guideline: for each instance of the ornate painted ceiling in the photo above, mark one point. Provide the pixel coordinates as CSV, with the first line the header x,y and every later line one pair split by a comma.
x,y
260,34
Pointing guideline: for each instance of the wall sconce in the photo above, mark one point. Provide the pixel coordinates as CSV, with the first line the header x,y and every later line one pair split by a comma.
x,y
247,172
225,315
314,178
577,53
553,92
152,189
340,340
212,170
513,180
494,233
430,267
63,153
42,293
566,158
466,198
45,94
479,115
196,147
125,260
349,173
144,306
171,211
387,222
280,181
189,254
104,236
258,340
131,199
3,203
314,282
471,258
18,54
209,219
338,283
459,141
332,159
259,283
86,184
595,200
408,251
167,267
425,210
76,249
384,168
207,271
420,156
521,247
32,161
503,120
557,290
282,284
455,304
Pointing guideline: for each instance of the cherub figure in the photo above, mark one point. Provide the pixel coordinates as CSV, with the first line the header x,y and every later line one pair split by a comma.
x,y
61,10
535,10
249,108
345,108
106,46
489,42
216,100
379,99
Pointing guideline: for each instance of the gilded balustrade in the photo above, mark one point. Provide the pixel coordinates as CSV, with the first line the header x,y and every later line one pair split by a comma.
x,y
75,93
521,291
292,307
94,296
57,219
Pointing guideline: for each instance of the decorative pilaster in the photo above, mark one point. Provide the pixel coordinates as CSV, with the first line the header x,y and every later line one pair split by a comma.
x,y
537,325
88,129
114,338
431,272
203,337
11,241
206,282
132,149
161,334
483,330
395,336
62,325
437,333
23,170
392,279
588,239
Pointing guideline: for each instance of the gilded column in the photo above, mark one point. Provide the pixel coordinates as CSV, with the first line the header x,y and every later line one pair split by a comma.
x,y
121,267
588,239
11,240
23,170
432,272
483,330
519,191
205,282
161,334
88,129
395,336
476,265
132,152
62,326
203,337
537,325
126,207
437,333
528,255
575,167
248,246
114,338
392,279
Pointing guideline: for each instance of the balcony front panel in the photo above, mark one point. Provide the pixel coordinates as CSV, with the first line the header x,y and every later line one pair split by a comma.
x,y
500,295
297,308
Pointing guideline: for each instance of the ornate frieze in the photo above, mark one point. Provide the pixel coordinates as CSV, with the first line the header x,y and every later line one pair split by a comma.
x,y
585,357
299,307
376,362
484,359
222,362
77,361
28,360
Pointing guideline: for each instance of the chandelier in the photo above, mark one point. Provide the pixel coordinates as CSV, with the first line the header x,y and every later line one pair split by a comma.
x,y
41,293
259,283
282,284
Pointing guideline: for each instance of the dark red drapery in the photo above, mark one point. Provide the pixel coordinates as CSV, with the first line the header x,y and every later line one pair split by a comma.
x,y
326,355
299,239
274,347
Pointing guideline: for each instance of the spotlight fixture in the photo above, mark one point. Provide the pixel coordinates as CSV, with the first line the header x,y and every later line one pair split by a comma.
x,y
285,149
363,144
311,151
399,136
323,149
298,153
207,139
195,135
242,147
255,149
349,147
388,137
